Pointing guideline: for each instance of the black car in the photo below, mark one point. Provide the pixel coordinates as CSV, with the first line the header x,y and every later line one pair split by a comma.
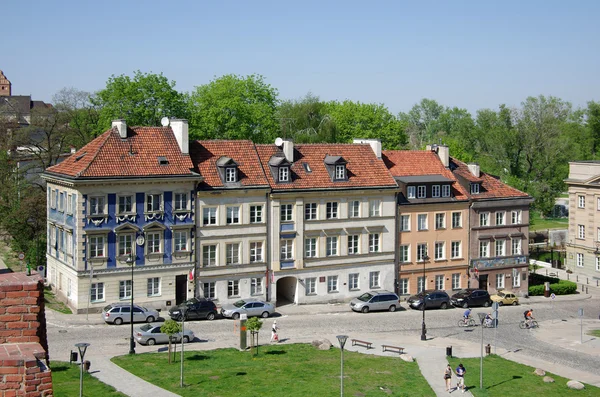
x,y
471,297
429,299
195,309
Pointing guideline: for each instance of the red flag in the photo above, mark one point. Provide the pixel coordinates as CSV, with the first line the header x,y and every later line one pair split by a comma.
x,y
191,275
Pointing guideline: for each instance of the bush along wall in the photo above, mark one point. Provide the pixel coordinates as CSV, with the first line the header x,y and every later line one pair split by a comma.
x,y
563,287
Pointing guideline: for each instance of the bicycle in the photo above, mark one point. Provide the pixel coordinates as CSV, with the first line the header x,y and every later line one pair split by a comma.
x,y
466,322
533,324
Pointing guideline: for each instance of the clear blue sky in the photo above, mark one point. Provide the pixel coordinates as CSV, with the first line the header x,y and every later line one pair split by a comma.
x,y
471,54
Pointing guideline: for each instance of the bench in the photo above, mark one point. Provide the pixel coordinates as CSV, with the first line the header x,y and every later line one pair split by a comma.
x,y
363,343
395,349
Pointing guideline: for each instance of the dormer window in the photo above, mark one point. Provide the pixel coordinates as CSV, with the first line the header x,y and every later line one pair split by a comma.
x,y
411,192
336,167
230,174
474,188
445,190
228,170
284,174
421,192
340,172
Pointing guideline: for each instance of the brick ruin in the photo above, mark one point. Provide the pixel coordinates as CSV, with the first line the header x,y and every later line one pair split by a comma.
x,y
24,367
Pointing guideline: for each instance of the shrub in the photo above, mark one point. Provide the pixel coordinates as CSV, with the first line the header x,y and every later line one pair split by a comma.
x,y
540,279
563,287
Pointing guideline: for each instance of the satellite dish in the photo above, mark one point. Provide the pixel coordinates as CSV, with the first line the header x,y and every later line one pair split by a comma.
x,y
278,142
164,121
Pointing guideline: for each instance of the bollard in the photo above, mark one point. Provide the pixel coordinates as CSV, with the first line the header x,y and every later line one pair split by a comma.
x,y
587,280
582,288
488,349
86,366
449,351
596,283
568,278
586,290
578,278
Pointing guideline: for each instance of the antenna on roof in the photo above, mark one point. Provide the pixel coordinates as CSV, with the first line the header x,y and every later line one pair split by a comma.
x,y
278,142
165,121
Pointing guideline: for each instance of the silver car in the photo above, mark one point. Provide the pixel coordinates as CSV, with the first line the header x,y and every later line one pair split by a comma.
x,y
119,313
375,300
149,334
249,307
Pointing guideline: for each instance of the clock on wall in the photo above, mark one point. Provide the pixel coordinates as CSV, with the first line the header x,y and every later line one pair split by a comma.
x,y
140,240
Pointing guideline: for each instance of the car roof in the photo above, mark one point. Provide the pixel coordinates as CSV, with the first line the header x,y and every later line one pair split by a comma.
x,y
381,292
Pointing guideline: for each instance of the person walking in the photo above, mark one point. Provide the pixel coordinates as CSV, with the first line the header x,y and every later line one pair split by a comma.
x,y
274,335
448,378
460,377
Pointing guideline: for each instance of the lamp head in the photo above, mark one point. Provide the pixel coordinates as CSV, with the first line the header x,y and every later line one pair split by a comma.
x,y
342,340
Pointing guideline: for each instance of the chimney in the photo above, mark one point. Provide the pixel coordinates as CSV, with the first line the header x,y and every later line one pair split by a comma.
x,y
288,150
181,131
121,126
375,145
474,168
443,153
73,149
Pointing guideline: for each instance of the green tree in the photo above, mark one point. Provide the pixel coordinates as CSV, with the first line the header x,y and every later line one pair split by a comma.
x,y
234,107
306,120
254,324
81,115
593,124
170,327
421,122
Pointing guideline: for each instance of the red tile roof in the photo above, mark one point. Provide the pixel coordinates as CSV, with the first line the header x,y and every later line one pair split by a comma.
x,y
420,162
491,187
364,168
206,153
109,156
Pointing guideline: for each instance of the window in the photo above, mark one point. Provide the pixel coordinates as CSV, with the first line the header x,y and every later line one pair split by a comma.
x,y
516,281
153,242
332,284
440,221
209,216
421,252
69,244
53,198
153,203
181,240
70,203
180,202
340,172
484,219
125,244
374,208
404,253
405,223
353,244
421,192
310,247
374,280
516,217
499,280
208,289
287,249
474,188
581,201
354,209
311,286
516,246
96,247
310,211
579,260
420,284
456,281
284,174
256,286
154,286
69,287
439,250
332,210
439,281
500,247
456,250
353,281
233,215
97,205
209,255
403,287
422,221
125,204
256,213
581,231
411,192
256,252
97,292
61,202
233,288
286,212
598,234
500,218
374,242
332,244
598,204
230,174
125,289
456,220
445,190
435,191
484,249
232,254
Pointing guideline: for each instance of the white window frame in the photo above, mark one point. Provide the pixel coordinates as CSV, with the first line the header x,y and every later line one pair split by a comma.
x,y
125,289
580,260
332,210
233,215
474,188
580,201
331,246
422,222
374,242
154,203
120,204
484,249
500,218
500,247
500,280
340,172
353,281
96,246
152,238
517,246
581,232
209,216
353,244
516,217
284,174
484,219
516,281
97,205
153,286
310,211
403,286
209,290
311,286
97,292
233,288
455,281
439,250
422,191
456,250
404,253
439,282
230,174
456,220
435,191
445,190
286,249
180,201
209,255
332,284
61,202
232,253
440,221
354,209
256,251
256,286
375,280
256,213
180,240
286,212
405,223
421,252
421,283
411,192
125,244
374,208
310,247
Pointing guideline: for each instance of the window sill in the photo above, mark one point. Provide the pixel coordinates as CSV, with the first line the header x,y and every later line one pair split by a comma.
x,y
440,228
333,292
154,296
423,230
154,254
97,259
98,301
184,252
440,259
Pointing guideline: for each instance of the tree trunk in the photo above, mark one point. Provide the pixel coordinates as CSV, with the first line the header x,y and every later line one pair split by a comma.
x,y
170,339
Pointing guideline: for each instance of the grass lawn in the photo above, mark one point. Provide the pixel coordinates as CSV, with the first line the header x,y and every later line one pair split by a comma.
x,y
537,223
280,370
52,303
65,382
504,378
594,332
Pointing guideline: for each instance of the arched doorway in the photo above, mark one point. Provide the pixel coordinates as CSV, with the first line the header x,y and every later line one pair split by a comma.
x,y
286,290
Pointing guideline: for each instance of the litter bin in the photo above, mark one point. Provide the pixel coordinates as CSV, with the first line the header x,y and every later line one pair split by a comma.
x,y
73,357
488,349
449,351
87,364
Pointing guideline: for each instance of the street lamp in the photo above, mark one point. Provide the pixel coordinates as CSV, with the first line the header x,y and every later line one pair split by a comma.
x,y
481,320
82,347
423,327
342,340
183,314
131,263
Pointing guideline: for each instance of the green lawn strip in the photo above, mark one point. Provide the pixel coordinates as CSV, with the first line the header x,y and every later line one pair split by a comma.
x,y
503,378
538,223
279,370
594,332
65,382
54,304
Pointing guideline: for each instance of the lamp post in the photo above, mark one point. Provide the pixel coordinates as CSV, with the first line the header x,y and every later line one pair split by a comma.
x,y
130,261
183,314
481,320
423,327
82,347
342,340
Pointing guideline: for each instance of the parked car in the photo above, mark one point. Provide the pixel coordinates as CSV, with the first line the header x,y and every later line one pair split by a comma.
x,y
250,307
375,300
471,297
429,299
119,313
505,298
149,334
195,309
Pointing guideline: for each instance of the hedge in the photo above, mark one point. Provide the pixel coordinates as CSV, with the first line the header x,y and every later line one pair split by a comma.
x,y
563,287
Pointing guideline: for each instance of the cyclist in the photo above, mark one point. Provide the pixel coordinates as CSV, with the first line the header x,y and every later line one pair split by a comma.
x,y
528,318
488,320
467,314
